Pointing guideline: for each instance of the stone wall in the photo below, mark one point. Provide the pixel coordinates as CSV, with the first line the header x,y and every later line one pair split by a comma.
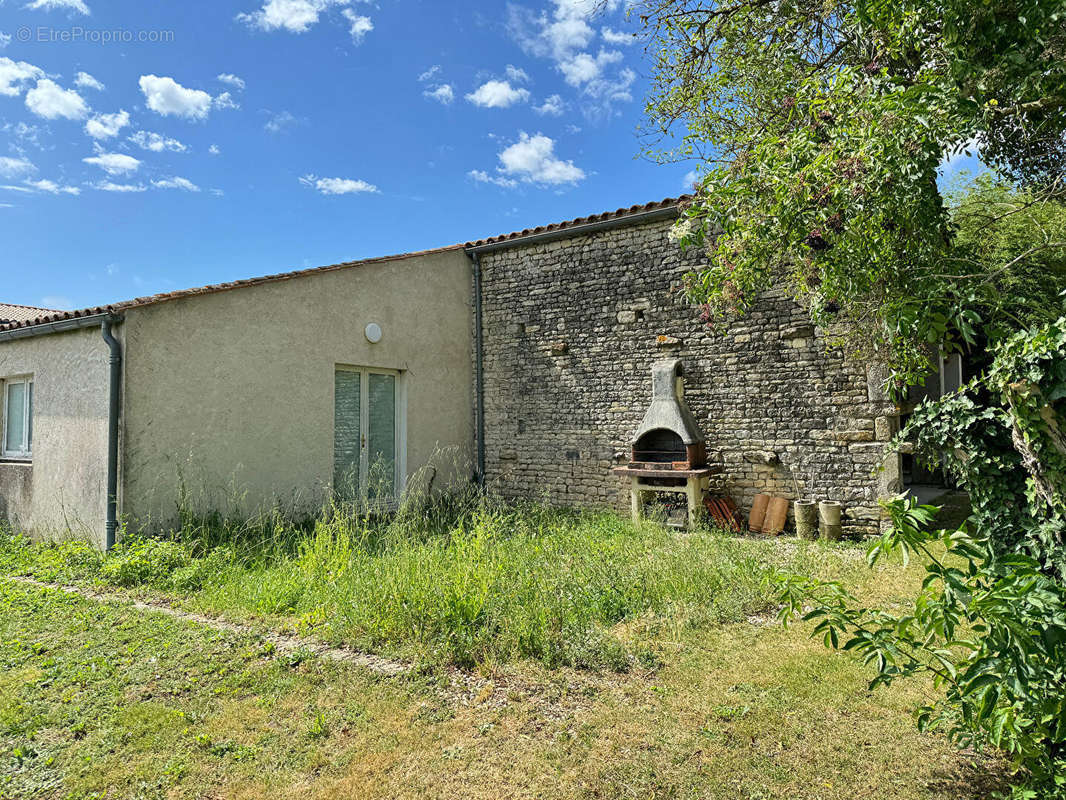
x,y
571,329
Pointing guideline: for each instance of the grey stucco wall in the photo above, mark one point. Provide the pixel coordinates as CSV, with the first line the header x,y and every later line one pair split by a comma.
x,y
571,330
62,490
234,390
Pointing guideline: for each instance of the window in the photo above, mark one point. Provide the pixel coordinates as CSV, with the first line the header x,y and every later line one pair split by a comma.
x,y
18,418
369,436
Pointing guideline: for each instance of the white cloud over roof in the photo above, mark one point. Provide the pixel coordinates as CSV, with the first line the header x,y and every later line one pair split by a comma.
x,y
83,80
531,159
105,126
77,6
497,94
166,96
51,101
114,163
338,185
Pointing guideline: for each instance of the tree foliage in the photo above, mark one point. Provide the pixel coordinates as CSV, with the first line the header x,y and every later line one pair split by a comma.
x,y
990,621
822,125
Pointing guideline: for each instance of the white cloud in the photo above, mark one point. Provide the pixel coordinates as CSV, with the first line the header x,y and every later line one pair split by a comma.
x,y
584,68
27,134
689,181
497,94
564,36
279,122
156,142
338,185
14,74
483,177
295,16
57,302
214,150
111,186
224,101
166,96
358,25
443,94
517,75
617,37
5,40
554,106
15,167
51,187
104,126
83,80
232,80
60,5
51,101
561,33
114,163
176,183
532,159
608,91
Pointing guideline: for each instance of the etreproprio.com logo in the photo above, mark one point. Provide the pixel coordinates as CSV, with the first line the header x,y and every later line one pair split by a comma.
x,y
77,34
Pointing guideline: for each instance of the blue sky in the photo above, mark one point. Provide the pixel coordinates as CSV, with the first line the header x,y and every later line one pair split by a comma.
x,y
146,146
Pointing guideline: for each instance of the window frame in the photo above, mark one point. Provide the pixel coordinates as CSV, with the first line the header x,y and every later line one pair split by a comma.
x,y
26,452
400,478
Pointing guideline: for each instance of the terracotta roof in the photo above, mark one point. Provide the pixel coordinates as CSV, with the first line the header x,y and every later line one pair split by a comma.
x,y
621,213
151,300
9,312
43,315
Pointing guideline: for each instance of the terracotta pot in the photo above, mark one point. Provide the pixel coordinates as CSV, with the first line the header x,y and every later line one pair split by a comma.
x,y
758,512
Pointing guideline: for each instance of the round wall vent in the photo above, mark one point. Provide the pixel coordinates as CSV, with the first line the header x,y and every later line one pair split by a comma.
x,y
373,333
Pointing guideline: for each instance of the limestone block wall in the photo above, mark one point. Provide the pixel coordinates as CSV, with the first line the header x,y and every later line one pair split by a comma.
x,y
571,329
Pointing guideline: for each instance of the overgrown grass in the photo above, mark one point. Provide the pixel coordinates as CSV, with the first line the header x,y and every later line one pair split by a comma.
x,y
450,582
103,700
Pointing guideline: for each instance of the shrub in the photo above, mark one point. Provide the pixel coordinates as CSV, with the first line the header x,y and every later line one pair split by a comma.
x,y
990,622
64,561
144,561
194,575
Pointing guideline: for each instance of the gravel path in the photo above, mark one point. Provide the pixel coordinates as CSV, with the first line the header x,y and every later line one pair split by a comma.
x,y
283,643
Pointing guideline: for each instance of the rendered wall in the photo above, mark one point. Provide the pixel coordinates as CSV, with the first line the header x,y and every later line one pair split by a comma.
x,y
61,492
571,329
233,392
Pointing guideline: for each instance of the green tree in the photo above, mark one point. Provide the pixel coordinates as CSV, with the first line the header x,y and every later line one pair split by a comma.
x,y
822,127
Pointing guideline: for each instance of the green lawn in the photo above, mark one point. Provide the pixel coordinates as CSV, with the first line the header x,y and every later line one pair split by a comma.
x,y
103,700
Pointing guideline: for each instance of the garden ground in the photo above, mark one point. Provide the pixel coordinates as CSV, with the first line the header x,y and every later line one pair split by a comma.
x,y
680,693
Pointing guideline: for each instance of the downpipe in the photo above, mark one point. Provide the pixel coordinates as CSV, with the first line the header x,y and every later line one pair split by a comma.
x,y
113,415
479,374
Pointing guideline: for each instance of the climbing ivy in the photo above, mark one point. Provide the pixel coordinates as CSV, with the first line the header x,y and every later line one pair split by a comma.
x,y
990,621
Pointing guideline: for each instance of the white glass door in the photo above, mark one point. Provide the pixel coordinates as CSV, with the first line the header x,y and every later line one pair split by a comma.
x,y
368,434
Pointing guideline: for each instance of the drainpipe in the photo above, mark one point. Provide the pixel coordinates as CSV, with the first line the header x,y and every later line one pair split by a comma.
x,y
479,374
113,411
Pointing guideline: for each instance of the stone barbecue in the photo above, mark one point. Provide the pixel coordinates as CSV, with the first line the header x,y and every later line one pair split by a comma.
x,y
669,453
